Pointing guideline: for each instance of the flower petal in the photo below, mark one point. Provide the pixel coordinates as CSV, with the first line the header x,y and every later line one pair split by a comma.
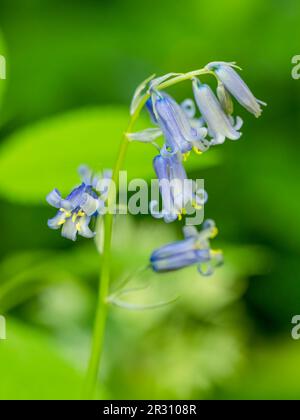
x,y
194,249
154,209
89,204
156,82
237,87
57,221
176,262
173,248
85,174
173,122
74,198
54,198
225,99
69,230
83,227
218,123
190,231
189,108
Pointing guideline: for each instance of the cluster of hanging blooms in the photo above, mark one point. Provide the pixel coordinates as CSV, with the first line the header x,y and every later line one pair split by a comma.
x,y
81,206
194,125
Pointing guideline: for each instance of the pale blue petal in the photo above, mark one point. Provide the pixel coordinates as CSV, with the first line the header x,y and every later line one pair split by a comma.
x,y
170,216
205,269
89,204
154,209
218,123
237,123
74,198
69,230
201,196
173,122
189,108
174,248
85,174
54,198
83,227
237,87
57,221
190,231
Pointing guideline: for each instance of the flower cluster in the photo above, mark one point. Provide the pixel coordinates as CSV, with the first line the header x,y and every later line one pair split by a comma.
x,y
80,207
182,131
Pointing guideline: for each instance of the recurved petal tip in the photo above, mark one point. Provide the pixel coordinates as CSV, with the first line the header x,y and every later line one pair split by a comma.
x,y
54,198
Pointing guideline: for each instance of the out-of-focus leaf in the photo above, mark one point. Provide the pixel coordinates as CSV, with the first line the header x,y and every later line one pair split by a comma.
x,y
273,373
33,368
38,158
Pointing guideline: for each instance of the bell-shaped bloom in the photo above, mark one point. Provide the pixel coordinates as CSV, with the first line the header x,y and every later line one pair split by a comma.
x,y
194,249
77,209
189,108
235,85
179,135
220,125
176,189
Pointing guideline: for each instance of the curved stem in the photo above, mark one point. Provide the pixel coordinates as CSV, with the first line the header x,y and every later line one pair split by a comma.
x,y
102,305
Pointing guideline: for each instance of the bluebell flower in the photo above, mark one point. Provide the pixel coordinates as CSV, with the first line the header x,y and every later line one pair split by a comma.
x,y
193,249
220,125
175,188
179,135
235,85
189,108
77,209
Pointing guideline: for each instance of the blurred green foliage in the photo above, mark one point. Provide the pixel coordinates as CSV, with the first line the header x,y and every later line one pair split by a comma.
x,y
71,69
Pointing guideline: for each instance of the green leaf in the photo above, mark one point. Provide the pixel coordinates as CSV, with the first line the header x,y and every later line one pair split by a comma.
x,y
273,373
46,375
46,155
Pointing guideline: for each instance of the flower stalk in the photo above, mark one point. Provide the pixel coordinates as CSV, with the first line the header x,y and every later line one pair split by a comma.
x,y
102,305
183,132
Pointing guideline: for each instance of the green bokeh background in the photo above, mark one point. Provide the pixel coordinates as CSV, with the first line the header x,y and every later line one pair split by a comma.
x,y
72,67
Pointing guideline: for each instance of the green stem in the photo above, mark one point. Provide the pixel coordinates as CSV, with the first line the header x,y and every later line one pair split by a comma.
x,y
102,306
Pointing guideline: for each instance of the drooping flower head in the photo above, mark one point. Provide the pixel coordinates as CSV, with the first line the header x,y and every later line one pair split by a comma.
x,y
220,125
175,188
235,85
179,135
78,208
193,250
